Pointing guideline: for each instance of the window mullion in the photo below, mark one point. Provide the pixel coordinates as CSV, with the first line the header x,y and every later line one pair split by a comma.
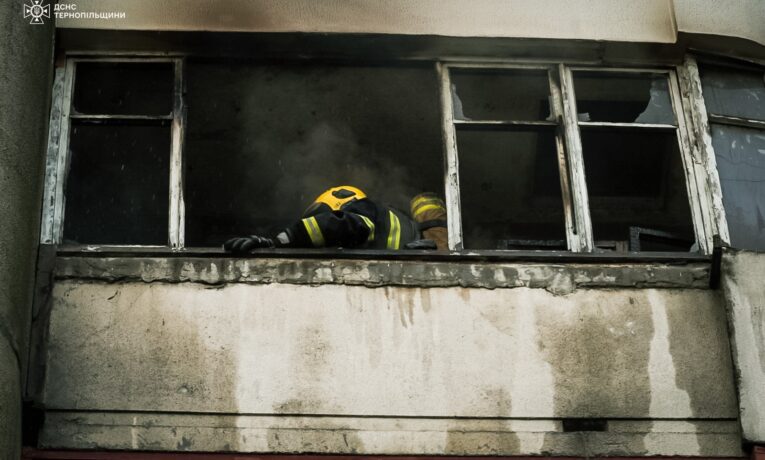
x,y
451,162
695,171
177,218
582,239
563,168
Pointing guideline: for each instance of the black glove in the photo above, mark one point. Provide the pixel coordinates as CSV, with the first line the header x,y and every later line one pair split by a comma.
x,y
244,245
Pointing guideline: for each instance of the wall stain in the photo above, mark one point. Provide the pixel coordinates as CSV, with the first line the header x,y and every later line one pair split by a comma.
x,y
598,351
684,323
328,438
495,436
425,299
145,342
185,443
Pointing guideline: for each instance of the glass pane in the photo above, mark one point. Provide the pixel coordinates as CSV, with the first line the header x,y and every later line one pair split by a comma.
x,y
521,95
264,140
636,188
623,98
737,93
510,189
117,188
116,88
740,154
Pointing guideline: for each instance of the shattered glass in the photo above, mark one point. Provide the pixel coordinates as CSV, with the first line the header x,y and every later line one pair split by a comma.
x,y
623,97
510,95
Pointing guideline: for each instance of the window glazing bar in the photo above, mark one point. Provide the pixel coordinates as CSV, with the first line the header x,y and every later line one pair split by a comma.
x,y
647,70
605,124
736,121
503,123
82,116
495,65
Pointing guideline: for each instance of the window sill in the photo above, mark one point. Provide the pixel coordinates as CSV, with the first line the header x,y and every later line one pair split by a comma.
x,y
558,272
484,255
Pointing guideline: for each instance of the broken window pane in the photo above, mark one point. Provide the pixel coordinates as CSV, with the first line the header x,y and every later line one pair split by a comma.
x,y
636,186
119,88
735,93
264,140
623,97
117,188
740,154
510,189
520,95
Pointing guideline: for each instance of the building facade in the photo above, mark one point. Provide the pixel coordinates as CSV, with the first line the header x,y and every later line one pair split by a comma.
x,y
603,166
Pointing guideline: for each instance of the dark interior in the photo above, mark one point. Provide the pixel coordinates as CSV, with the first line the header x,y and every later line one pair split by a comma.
x,y
265,139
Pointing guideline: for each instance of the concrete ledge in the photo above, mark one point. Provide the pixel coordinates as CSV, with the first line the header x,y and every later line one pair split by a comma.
x,y
384,436
556,278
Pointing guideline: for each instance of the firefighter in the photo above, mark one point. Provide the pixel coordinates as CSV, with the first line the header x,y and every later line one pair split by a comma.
x,y
343,216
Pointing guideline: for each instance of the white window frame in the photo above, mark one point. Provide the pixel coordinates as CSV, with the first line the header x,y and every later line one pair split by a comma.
x,y
57,163
578,223
703,151
704,197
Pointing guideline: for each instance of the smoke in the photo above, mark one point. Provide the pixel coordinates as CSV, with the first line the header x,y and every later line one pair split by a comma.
x,y
329,155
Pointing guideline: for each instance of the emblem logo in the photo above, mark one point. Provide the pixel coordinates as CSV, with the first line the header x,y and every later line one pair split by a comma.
x,y
37,11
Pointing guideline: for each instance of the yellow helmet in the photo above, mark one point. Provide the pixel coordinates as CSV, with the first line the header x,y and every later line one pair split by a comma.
x,y
336,198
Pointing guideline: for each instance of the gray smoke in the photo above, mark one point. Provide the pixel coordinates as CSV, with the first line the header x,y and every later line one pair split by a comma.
x,y
330,155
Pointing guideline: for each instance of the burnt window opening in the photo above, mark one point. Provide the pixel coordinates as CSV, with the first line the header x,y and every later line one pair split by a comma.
x,y
264,140
734,98
623,98
118,184
189,152
636,184
514,172
510,187
119,148
119,88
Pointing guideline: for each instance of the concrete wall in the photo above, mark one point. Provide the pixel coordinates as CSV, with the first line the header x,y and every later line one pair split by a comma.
x,y
732,18
621,20
276,356
745,296
25,54
657,21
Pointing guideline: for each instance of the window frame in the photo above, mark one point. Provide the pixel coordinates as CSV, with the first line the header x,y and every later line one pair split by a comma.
x,y
578,224
703,150
58,154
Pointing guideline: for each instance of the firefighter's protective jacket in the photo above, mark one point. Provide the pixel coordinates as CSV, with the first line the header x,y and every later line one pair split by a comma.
x,y
360,223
